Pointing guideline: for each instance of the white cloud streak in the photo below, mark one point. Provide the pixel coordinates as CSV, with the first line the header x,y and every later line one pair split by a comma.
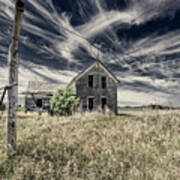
x,y
138,12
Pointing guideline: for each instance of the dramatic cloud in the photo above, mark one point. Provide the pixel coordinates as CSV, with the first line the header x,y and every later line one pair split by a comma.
x,y
139,40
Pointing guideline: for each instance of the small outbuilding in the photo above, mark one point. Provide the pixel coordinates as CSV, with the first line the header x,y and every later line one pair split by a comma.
x,y
38,95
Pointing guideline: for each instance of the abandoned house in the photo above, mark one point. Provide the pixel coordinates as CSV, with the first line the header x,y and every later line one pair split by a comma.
x,y
38,95
96,87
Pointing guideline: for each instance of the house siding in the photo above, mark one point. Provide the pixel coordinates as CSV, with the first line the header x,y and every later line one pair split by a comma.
x,y
110,92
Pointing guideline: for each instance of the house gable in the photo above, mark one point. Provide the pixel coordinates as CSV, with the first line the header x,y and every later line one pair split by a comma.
x,y
95,64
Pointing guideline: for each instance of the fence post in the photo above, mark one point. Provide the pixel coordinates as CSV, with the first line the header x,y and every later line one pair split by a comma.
x,y
13,79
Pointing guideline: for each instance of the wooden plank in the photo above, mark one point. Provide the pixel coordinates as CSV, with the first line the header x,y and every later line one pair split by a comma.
x,y
5,88
13,78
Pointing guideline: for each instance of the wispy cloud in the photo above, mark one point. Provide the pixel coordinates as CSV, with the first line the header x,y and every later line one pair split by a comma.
x,y
49,34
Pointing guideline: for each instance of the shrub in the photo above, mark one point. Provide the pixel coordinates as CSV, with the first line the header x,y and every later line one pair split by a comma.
x,y
63,102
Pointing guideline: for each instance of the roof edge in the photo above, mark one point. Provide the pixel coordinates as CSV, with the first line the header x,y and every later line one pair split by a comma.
x,y
91,66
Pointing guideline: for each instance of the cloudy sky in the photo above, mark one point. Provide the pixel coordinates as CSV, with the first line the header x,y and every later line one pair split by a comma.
x,y
139,40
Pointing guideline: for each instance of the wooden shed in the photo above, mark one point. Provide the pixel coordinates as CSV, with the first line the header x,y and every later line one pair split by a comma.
x,y
38,95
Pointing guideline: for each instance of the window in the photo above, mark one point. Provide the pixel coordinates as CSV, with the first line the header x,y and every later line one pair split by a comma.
x,y
103,102
103,82
90,80
90,103
39,103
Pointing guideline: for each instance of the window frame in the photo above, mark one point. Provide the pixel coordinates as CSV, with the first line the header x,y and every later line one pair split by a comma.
x,y
90,97
92,81
39,102
104,97
106,78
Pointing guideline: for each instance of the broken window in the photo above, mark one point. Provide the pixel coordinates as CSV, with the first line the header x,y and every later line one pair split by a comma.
x,y
39,103
90,80
103,82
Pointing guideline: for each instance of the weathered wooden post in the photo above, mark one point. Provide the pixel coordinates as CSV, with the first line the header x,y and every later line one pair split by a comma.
x,y
13,79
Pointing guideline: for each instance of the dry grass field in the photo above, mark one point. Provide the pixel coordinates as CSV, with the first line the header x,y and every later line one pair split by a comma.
x,y
135,145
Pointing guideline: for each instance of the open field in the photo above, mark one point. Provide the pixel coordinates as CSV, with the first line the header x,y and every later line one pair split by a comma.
x,y
136,145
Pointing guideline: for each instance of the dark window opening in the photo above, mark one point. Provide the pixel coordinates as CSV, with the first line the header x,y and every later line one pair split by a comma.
x,y
39,103
103,102
103,82
90,80
90,103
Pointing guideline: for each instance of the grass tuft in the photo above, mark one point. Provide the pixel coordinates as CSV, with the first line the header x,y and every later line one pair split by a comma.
x,y
141,145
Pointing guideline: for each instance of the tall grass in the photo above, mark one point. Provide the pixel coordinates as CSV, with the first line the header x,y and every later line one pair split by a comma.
x,y
93,146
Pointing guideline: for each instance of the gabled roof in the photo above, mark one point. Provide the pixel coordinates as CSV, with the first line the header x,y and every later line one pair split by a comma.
x,y
43,88
97,62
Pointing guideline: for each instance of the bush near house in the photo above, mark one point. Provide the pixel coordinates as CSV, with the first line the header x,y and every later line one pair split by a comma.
x,y
63,102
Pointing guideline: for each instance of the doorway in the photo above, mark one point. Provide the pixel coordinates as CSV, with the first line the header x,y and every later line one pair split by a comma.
x,y
103,103
39,103
90,103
